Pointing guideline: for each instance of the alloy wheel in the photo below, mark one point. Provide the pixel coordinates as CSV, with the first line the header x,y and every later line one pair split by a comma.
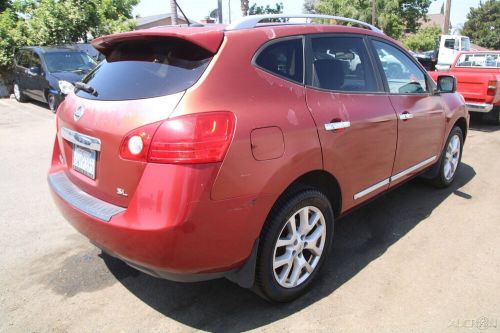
x,y
299,247
17,92
452,157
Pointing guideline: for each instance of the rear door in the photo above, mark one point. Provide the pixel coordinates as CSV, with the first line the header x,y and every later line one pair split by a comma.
x,y
356,122
421,117
38,83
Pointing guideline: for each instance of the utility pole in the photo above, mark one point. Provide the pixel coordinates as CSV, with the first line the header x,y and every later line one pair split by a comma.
x,y
447,10
374,11
219,10
173,10
229,5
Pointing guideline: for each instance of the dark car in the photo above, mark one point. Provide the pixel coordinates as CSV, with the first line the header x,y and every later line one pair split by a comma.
x,y
40,71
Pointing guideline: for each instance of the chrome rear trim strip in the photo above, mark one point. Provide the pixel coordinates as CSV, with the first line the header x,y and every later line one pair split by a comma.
x,y
413,168
81,200
371,189
81,139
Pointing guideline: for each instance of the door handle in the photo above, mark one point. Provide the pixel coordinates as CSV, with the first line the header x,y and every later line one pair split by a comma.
x,y
337,125
405,115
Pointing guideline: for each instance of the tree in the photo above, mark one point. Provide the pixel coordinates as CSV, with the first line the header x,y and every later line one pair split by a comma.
x,y
424,40
258,10
483,24
394,16
52,22
244,7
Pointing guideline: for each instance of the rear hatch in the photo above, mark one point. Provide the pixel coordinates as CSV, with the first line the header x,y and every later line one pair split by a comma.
x,y
141,81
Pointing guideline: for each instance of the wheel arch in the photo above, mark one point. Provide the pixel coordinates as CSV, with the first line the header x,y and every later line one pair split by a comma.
x,y
320,180
462,123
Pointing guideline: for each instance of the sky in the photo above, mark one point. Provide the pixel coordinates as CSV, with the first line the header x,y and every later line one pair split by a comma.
x,y
198,9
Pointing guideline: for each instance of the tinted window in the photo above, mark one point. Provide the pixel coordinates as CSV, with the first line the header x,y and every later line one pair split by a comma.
x,y
284,58
341,63
147,68
23,58
35,61
68,62
402,74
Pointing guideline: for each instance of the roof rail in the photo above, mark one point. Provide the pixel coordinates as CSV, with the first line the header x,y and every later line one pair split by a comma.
x,y
251,21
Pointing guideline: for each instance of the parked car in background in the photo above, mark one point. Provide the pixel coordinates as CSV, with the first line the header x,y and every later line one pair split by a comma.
x,y
195,153
40,72
89,49
427,59
447,48
478,80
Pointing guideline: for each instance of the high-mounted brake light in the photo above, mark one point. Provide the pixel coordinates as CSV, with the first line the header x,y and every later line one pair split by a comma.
x,y
492,88
190,139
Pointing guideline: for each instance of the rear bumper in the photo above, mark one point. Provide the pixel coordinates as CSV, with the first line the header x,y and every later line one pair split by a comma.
x,y
172,232
479,107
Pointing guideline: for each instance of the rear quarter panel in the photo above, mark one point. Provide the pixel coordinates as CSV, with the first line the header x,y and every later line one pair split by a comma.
x,y
259,100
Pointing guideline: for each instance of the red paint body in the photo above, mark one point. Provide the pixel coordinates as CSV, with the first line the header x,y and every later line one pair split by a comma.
x,y
206,217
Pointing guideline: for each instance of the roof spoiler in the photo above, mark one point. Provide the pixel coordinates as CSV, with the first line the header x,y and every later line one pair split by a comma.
x,y
209,39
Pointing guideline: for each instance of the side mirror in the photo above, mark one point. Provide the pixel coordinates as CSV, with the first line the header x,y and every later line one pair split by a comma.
x,y
35,70
446,84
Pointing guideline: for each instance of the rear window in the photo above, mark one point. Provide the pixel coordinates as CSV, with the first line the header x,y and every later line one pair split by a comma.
x,y
479,60
147,68
68,62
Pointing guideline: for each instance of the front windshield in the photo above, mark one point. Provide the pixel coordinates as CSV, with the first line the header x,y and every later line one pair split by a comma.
x,y
68,62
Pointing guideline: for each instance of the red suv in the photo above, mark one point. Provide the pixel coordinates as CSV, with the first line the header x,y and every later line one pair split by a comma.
x,y
195,153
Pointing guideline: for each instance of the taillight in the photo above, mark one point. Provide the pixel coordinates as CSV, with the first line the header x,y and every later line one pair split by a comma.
x,y
136,144
195,138
492,88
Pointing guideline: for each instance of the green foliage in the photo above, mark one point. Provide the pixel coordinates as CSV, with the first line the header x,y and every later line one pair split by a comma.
x,y
483,24
393,16
52,22
424,40
258,10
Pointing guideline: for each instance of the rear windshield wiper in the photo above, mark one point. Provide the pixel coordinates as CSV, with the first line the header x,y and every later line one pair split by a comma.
x,y
87,88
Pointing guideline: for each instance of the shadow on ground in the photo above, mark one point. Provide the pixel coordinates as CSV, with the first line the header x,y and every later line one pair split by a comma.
x,y
360,238
478,123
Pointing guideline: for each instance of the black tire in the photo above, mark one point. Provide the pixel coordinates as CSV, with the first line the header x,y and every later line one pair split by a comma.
x,y
266,283
52,101
18,93
443,179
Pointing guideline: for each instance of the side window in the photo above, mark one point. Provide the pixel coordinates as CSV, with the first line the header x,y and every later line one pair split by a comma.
x,y
341,64
402,74
22,59
35,61
284,58
449,43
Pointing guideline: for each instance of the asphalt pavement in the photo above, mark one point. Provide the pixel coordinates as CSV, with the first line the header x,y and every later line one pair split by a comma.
x,y
417,259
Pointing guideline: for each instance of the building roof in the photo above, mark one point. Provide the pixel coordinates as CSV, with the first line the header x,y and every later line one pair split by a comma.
x,y
153,18
433,19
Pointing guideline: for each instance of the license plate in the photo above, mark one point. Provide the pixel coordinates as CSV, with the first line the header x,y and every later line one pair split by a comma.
x,y
84,161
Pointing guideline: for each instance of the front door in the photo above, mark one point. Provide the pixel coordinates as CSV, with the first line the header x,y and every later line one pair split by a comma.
x,y
357,125
421,118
